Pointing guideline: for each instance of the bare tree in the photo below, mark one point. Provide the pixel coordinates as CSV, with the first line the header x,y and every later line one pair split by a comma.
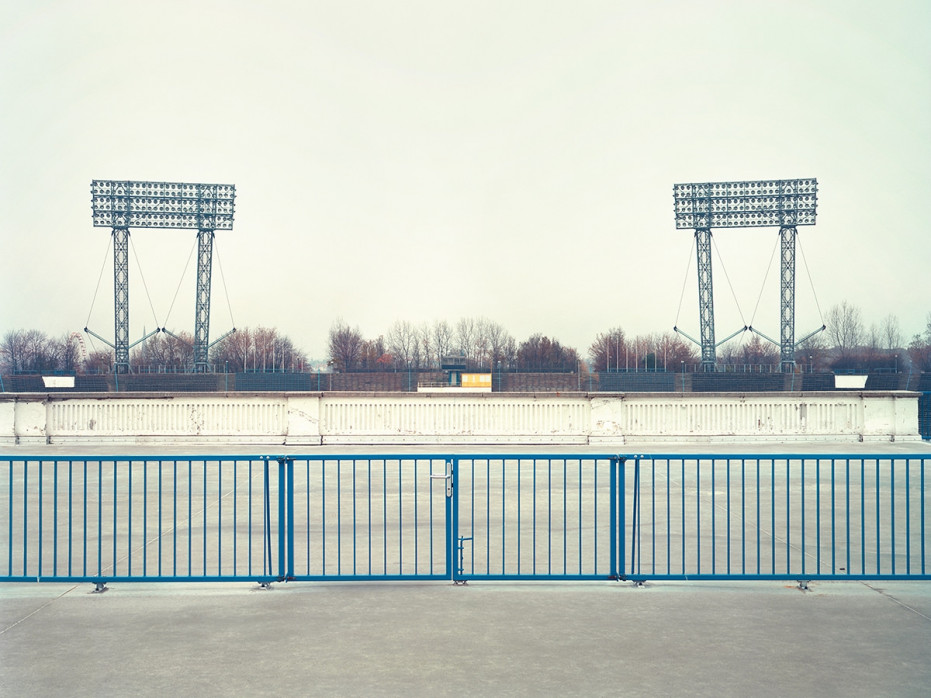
x,y
672,351
465,336
12,351
426,348
813,352
891,334
845,329
345,346
232,353
606,351
540,353
99,361
502,348
403,345
442,340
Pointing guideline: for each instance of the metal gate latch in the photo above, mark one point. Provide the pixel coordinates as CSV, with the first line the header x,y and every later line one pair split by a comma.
x,y
448,477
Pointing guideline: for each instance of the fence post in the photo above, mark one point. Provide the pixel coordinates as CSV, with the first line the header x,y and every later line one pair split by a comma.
x,y
285,518
612,520
621,520
452,520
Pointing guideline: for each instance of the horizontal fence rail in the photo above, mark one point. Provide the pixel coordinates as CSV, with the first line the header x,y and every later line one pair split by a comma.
x,y
464,517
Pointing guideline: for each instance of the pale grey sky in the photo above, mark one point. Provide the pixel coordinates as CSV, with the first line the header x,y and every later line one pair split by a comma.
x,y
433,160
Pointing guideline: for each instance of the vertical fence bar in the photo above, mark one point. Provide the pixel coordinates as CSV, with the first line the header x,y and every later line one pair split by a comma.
x,y
862,516
834,521
70,515
99,519
698,516
908,518
282,519
818,516
635,518
613,519
9,529
289,473
39,562
622,518
878,517
55,521
788,519
892,511
533,522
924,521
452,520
802,488
668,519
145,517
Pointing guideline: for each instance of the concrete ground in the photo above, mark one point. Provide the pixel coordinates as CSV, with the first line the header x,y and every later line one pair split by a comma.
x,y
598,638
838,638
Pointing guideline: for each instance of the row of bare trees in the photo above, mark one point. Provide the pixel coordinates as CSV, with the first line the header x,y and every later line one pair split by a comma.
x,y
848,344
33,351
480,342
259,349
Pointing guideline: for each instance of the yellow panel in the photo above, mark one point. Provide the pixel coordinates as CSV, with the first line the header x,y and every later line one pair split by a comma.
x,y
476,380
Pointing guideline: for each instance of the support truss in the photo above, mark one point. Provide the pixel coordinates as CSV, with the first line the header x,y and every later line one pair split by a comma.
x,y
705,298
202,310
787,299
121,300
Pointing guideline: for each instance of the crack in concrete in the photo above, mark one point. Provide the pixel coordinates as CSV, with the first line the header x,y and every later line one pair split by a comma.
x,y
40,608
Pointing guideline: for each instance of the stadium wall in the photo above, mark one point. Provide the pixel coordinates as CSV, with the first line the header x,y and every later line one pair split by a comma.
x,y
311,419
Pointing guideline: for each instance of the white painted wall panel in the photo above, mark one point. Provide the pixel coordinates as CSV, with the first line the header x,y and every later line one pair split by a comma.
x,y
491,418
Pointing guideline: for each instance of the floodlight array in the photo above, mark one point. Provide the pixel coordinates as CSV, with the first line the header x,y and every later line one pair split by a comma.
x,y
779,202
129,204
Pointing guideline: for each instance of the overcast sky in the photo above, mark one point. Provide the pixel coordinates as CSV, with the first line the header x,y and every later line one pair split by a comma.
x,y
433,160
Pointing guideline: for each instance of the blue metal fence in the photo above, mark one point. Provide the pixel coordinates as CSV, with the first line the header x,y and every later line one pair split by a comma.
x,y
462,517
779,517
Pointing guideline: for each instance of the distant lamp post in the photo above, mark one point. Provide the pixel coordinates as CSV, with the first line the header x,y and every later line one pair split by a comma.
x,y
896,363
811,366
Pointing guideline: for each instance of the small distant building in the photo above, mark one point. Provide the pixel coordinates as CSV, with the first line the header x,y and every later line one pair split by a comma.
x,y
457,380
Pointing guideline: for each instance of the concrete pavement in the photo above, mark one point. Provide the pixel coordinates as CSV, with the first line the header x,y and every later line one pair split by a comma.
x,y
843,638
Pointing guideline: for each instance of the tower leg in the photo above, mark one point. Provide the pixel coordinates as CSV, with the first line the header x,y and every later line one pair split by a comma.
x,y
121,300
705,298
787,300
202,310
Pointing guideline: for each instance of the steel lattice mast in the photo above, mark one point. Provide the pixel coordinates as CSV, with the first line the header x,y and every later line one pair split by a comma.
x,y
120,299
787,299
786,203
202,309
122,205
705,297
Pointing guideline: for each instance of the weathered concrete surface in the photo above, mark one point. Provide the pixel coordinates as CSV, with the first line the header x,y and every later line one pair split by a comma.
x,y
483,639
312,419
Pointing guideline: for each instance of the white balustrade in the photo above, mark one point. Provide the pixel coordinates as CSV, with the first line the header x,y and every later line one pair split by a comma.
x,y
489,418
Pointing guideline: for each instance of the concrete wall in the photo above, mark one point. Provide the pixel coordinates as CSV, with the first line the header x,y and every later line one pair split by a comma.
x,y
488,418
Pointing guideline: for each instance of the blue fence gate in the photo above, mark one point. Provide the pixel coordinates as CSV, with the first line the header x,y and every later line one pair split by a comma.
x,y
464,517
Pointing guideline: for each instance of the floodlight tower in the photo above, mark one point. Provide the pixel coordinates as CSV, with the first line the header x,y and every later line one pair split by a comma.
x,y
786,203
122,205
